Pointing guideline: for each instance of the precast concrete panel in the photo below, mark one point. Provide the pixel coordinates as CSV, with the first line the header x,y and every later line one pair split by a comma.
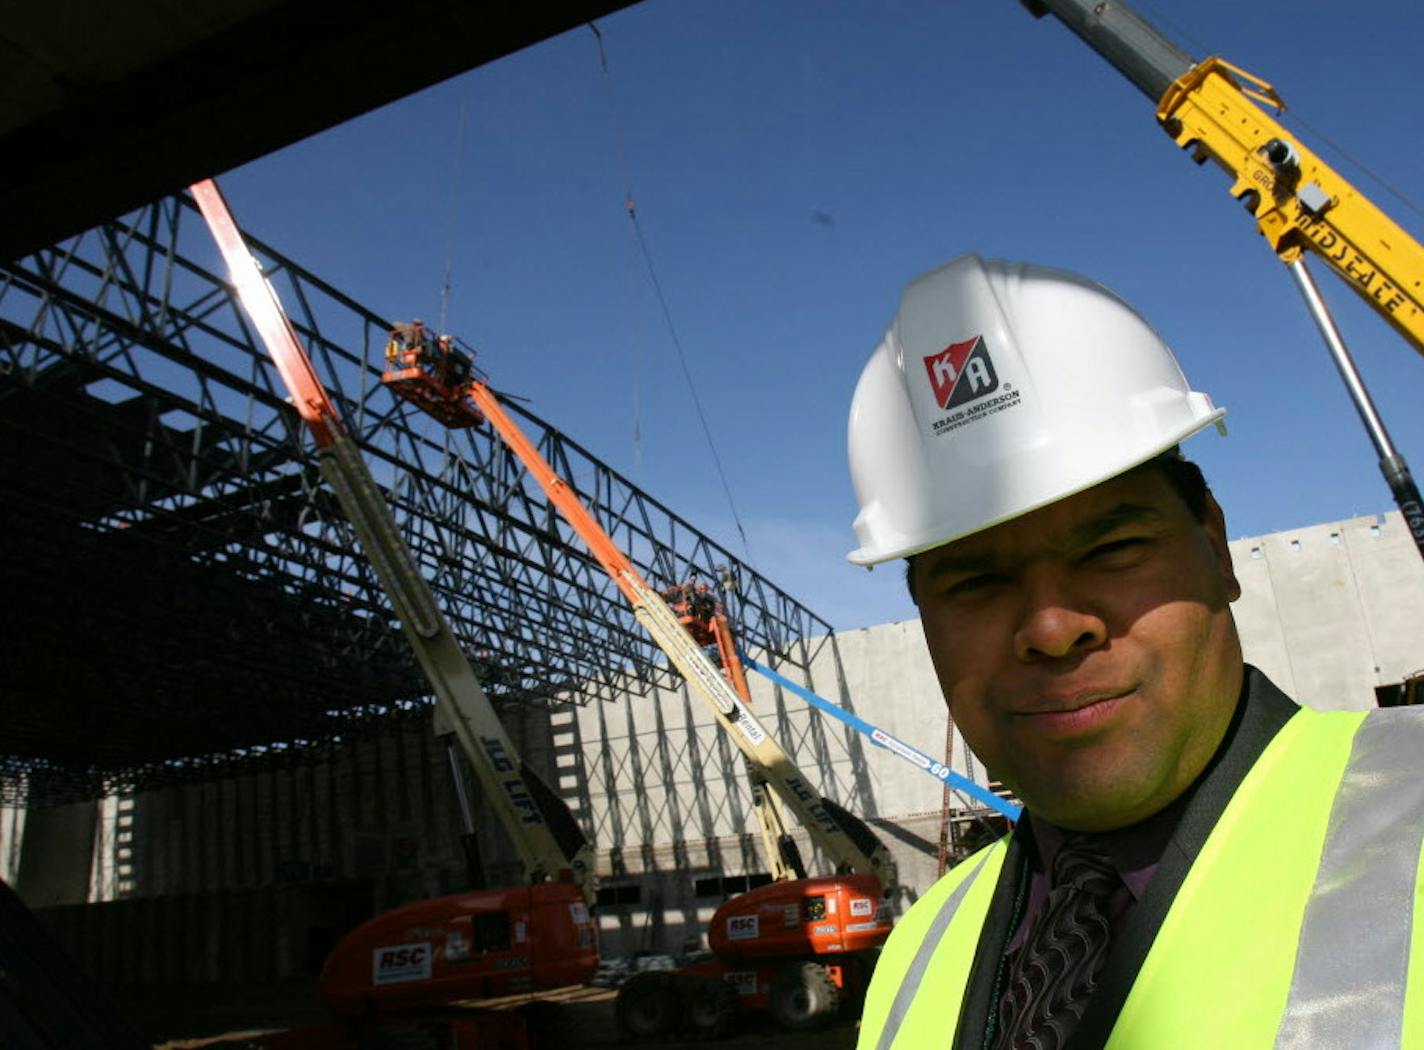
x,y
1390,576
1323,615
372,809
661,770
58,852
668,792
889,674
1331,611
1257,618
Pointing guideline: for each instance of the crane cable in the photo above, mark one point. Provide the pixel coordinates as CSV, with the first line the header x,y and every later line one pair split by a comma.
x,y
453,212
658,292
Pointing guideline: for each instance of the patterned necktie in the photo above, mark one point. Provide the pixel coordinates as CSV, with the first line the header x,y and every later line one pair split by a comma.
x,y
1054,972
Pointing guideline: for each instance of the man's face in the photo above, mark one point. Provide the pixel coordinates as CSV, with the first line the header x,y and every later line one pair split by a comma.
x,y
1087,650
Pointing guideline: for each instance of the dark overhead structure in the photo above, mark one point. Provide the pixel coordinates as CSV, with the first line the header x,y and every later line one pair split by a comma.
x,y
109,104
182,598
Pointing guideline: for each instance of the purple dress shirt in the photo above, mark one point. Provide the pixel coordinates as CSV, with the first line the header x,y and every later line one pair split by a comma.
x,y
1134,851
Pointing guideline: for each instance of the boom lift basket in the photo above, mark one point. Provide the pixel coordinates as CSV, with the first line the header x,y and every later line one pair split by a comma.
x,y
433,374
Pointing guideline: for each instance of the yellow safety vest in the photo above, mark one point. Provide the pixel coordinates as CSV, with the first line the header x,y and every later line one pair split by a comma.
x,y
1294,927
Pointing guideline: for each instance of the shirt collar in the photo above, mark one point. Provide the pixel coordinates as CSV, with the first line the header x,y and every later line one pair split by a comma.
x,y
1134,851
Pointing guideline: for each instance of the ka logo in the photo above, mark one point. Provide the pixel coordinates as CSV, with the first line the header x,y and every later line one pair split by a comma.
x,y
961,372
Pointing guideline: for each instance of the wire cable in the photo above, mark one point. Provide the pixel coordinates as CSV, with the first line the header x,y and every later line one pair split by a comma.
x,y
662,299
637,341
453,212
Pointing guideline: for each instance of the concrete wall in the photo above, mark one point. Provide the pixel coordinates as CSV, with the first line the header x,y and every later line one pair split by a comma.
x,y
671,912
55,864
12,837
658,768
253,878
218,938
668,793
380,809
1328,612
1331,611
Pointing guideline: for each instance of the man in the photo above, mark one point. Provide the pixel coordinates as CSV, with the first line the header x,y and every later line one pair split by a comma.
x,y
1202,863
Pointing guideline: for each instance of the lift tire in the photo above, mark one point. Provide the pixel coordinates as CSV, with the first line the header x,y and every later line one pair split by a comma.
x,y
803,997
710,1008
648,1005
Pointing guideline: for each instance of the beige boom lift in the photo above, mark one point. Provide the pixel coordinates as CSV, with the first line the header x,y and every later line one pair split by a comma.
x,y
546,836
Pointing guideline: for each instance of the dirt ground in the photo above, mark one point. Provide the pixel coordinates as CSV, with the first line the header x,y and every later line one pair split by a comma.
x,y
584,1016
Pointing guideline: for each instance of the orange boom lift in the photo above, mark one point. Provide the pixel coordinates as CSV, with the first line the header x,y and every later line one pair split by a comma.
x,y
799,946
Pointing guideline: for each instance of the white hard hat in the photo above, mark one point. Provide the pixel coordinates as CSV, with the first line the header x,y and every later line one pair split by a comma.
x,y
1000,388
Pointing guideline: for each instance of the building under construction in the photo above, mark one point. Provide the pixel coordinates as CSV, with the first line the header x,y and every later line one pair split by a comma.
x,y
246,761
244,765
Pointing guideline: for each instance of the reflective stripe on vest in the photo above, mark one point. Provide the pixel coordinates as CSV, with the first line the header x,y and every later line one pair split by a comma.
x,y
919,954
1292,929
1219,970
915,973
1352,964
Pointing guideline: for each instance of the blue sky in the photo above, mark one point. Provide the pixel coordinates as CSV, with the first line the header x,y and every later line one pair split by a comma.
x,y
793,165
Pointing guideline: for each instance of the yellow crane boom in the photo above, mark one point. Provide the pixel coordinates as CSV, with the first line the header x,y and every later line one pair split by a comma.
x,y
1301,205
1299,202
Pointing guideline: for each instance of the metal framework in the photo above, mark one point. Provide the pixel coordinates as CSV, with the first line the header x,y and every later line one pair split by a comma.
x,y
182,597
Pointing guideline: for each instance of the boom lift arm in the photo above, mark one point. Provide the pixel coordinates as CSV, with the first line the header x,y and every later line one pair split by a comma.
x,y
1301,205
548,839
699,611
416,375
